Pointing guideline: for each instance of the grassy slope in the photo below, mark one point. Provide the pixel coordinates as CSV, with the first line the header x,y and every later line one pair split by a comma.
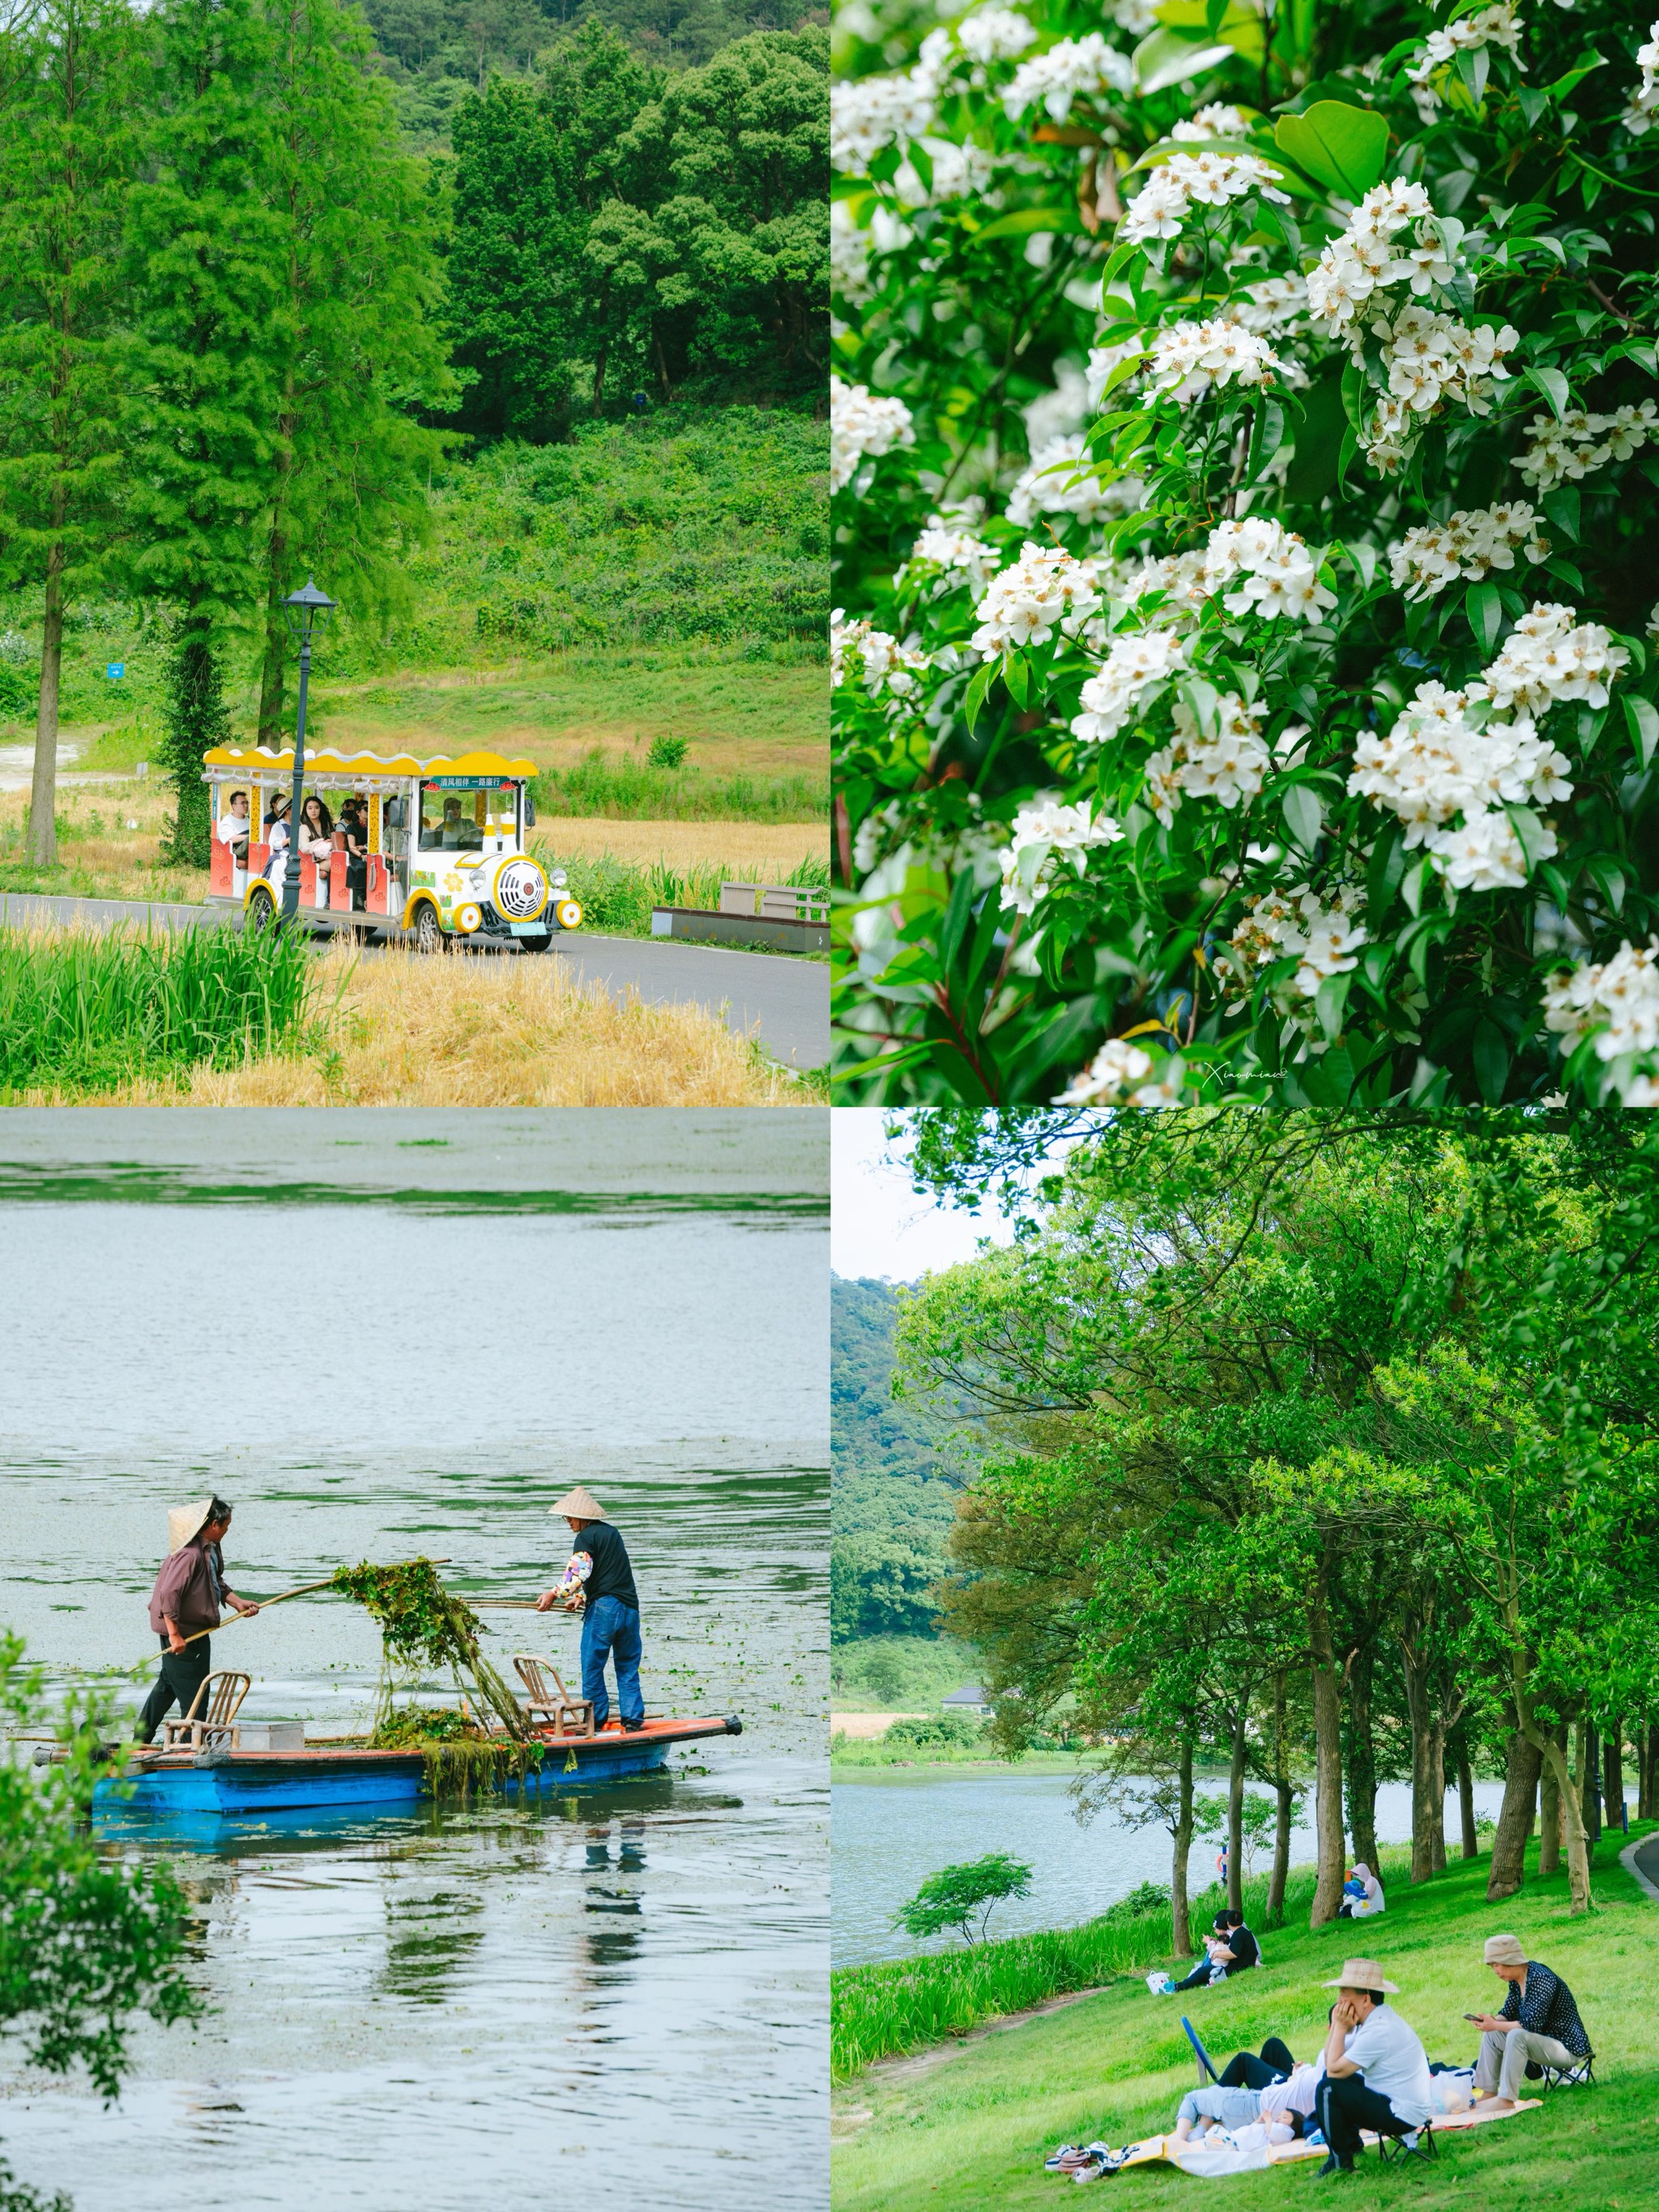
x,y
973,2131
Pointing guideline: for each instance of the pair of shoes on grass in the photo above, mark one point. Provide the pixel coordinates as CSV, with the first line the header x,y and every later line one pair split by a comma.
x,y
1077,2158
1332,2168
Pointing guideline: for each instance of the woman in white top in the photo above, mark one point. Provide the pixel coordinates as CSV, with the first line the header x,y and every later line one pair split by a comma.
x,y
1362,1894
277,838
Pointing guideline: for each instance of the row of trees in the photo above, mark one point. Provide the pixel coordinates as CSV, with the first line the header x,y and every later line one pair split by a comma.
x,y
617,228
1326,1442
218,280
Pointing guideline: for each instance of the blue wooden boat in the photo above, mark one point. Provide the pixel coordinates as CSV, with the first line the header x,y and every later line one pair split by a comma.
x,y
235,1784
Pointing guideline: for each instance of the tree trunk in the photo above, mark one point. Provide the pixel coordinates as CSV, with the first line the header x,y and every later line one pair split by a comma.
x,y
1578,1889
1549,1813
1644,1738
1328,1758
1179,1917
1362,1759
1437,1797
43,795
1236,1811
1590,1777
1471,1834
1613,1772
1416,1706
662,364
1276,1880
1509,1845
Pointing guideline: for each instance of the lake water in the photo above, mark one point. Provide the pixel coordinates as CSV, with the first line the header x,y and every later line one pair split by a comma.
x,y
894,1830
623,1993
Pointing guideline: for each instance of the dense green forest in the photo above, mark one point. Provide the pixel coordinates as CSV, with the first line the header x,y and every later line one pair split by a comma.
x,y
247,335
895,1479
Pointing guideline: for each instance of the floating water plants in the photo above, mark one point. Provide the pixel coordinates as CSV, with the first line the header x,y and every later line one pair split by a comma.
x,y
423,1625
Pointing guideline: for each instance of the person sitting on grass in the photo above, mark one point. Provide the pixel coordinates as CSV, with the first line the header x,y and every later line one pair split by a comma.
x,y
1538,2027
1229,1949
1362,1894
1377,2072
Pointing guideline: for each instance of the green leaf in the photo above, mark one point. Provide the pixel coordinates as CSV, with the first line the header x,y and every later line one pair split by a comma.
x,y
1020,221
1486,612
958,914
1383,873
1609,877
1561,507
1644,719
1017,675
1167,58
1554,386
1305,815
976,691
1331,1001
1411,883
1491,1050
1346,147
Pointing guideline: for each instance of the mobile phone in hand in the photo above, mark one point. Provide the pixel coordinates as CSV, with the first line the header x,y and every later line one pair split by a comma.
x,y
1473,2016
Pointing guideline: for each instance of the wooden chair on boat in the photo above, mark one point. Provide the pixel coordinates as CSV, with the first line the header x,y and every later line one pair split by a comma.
x,y
212,1715
567,1715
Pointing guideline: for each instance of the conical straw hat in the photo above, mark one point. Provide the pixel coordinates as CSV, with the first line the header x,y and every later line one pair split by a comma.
x,y
184,1521
579,1505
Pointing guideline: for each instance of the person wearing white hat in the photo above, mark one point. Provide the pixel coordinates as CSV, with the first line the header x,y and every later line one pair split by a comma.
x,y
1376,2071
609,1604
189,1594
1538,2026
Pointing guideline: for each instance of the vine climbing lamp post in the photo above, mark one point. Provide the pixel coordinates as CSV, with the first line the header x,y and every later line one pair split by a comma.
x,y
304,610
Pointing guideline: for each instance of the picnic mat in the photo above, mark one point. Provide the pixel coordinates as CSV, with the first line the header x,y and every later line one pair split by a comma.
x,y
1217,2159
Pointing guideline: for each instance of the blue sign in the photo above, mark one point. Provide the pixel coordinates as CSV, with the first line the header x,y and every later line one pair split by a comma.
x,y
115,669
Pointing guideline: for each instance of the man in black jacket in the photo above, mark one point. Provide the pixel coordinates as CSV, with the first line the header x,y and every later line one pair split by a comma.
x,y
1538,2027
609,1606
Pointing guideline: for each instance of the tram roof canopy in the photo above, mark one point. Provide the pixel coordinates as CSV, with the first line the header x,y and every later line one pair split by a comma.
x,y
255,760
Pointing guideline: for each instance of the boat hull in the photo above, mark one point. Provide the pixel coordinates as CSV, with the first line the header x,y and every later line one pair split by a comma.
x,y
249,1783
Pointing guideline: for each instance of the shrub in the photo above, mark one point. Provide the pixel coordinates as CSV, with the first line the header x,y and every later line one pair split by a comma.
x,y
1245,687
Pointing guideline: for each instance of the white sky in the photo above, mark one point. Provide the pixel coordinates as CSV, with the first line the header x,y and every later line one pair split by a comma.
x,y
879,1225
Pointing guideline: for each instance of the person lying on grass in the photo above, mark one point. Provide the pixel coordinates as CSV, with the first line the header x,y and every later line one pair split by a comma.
x,y
1377,2072
1538,2027
1271,2088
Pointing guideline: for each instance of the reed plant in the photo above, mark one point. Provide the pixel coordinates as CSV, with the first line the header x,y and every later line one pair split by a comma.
x,y
83,1012
896,2005
629,788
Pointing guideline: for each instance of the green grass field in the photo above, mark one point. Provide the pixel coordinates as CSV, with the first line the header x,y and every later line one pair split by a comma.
x,y
970,2131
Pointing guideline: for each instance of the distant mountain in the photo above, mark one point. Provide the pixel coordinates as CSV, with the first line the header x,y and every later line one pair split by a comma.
x,y
895,1478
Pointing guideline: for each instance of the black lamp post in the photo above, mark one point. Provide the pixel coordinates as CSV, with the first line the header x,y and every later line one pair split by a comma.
x,y
304,610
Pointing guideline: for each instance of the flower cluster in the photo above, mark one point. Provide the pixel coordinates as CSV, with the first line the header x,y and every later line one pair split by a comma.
x,y
1638,116
861,423
1217,120
1084,66
1136,662
1227,765
1189,181
1617,1002
874,111
1052,484
958,556
1322,939
1189,358
874,654
1550,656
1470,543
1581,443
1430,358
1024,604
1436,762
1272,570
1045,832
1498,26
1116,1075
995,34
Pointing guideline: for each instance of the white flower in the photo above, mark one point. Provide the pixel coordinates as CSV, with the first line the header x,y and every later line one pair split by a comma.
x,y
1107,1079
1499,25
960,557
1137,661
1322,937
1027,601
1217,120
1470,543
1087,66
1485,854
1189,181
1060,479
1616,1002
875,655
849,255
861,422
873,111
1057,413
1045,832
1187,357
1547,657
1644,100
995,34
1580,443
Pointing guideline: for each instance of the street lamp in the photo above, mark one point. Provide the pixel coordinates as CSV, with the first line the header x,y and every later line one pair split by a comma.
x,y
304,611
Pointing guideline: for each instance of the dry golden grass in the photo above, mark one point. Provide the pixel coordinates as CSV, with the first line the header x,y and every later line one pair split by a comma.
x,y
102,856
753,851
398,1029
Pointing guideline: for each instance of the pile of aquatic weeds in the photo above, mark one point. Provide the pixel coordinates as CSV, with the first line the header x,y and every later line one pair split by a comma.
x,y
423,1625
457,1753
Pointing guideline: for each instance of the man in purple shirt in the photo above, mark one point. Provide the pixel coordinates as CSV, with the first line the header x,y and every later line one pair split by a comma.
x,y
188,1598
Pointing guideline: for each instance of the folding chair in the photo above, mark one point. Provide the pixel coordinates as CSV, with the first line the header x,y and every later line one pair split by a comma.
x,y
566,1715
1396,2150
1202,2055
1580,2074
212,1714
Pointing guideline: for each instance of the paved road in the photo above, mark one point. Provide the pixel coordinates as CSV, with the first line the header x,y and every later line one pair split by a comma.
x,y
785,1000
